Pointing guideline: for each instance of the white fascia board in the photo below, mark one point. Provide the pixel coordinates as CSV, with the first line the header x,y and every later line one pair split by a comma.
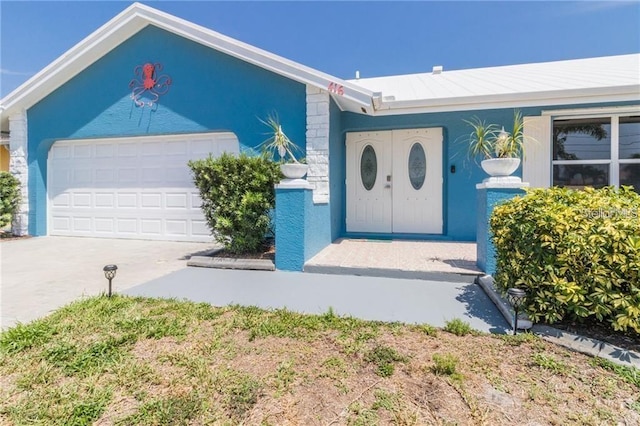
x,y
520,100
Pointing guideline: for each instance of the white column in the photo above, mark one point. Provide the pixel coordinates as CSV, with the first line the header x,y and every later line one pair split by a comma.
x,y
318,143
19,168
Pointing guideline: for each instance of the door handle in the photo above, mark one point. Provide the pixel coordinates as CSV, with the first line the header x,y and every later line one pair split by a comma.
x,y
388,184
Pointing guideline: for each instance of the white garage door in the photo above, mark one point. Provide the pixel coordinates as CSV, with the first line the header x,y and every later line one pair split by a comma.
x,y
137,187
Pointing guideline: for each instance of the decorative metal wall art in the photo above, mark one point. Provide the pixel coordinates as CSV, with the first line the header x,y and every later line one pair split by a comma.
x,y
148,86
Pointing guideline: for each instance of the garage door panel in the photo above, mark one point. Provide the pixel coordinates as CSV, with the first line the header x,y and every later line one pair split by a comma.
x,y
127,226
104,151
127,150
196,201
105,225
152,175
151,226
82,199
81,224
127,176
177,148
200,228
60,224
104,175
127,200
61,200
130,188
176,227
176,201
82,151
82,177
151,201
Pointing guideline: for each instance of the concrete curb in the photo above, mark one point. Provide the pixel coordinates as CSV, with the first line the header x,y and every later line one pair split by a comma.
x,y
231,263
391,273
486,282
568,340
589,346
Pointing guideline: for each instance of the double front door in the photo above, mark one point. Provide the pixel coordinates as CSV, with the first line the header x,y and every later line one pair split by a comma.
x,y
394,181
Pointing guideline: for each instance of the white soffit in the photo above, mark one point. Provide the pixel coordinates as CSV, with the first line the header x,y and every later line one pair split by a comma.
x,y
136,17
607,79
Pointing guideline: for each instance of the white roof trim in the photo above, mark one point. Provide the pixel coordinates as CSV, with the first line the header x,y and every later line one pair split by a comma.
x,y
520,100
136,17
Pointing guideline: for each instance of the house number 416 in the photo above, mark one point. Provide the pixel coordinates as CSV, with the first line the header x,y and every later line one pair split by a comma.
x,y
336,88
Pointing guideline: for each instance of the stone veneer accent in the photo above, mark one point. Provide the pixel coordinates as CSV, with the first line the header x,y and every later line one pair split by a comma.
x,y
19,168
318,143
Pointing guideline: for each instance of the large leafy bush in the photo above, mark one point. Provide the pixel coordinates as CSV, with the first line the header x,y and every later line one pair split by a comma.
x,y
9,197
237,195
576,253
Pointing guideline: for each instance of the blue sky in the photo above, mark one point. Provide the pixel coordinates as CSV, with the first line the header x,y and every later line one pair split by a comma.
x,y
377,38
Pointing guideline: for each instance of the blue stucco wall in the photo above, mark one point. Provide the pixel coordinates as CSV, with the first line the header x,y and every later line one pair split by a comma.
x,y
317,227
487,199
291,226
210,91
459,192
337,172
303,228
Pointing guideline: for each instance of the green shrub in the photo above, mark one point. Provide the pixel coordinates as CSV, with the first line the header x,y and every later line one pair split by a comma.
x,y
237,195
9,197
576,253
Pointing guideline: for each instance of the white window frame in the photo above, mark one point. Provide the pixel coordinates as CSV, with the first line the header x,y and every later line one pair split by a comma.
x,y
614,114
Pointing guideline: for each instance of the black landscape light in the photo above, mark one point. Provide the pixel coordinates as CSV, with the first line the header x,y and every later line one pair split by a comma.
x,y
109,273
516,298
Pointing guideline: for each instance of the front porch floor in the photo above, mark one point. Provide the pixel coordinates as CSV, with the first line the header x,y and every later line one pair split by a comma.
x,y
434,260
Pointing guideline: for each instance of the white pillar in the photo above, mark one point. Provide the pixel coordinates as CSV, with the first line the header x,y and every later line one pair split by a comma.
x,y
18,166
318,143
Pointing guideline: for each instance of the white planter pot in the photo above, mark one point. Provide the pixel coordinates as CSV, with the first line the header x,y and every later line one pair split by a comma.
x,y
500,166
294,170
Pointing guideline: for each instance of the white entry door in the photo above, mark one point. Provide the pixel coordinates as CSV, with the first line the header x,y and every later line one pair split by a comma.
x,y
137,187
394,181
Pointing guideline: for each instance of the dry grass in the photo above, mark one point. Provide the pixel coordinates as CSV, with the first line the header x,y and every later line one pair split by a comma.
x,y
125,361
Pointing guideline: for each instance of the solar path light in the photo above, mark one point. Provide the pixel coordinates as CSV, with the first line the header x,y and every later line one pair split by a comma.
x,y
109,273
516,298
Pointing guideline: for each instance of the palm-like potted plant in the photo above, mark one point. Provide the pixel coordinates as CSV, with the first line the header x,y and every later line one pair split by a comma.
x,y
279,144
502,150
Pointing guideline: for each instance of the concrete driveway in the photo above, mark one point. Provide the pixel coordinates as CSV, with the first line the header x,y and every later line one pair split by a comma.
x,y
39,275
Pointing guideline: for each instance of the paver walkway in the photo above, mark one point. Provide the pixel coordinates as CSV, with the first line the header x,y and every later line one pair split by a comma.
x,y
439,260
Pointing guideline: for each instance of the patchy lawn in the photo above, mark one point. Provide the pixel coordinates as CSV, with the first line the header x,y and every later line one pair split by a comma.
x,y
161,362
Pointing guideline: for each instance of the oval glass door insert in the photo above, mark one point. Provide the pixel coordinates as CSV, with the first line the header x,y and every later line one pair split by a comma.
x,y
417,166
368,167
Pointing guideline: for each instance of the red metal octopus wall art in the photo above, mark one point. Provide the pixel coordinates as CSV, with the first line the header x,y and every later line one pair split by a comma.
x,y
148,86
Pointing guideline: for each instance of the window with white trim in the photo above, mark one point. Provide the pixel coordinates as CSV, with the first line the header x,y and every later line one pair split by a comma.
x,y
597,151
